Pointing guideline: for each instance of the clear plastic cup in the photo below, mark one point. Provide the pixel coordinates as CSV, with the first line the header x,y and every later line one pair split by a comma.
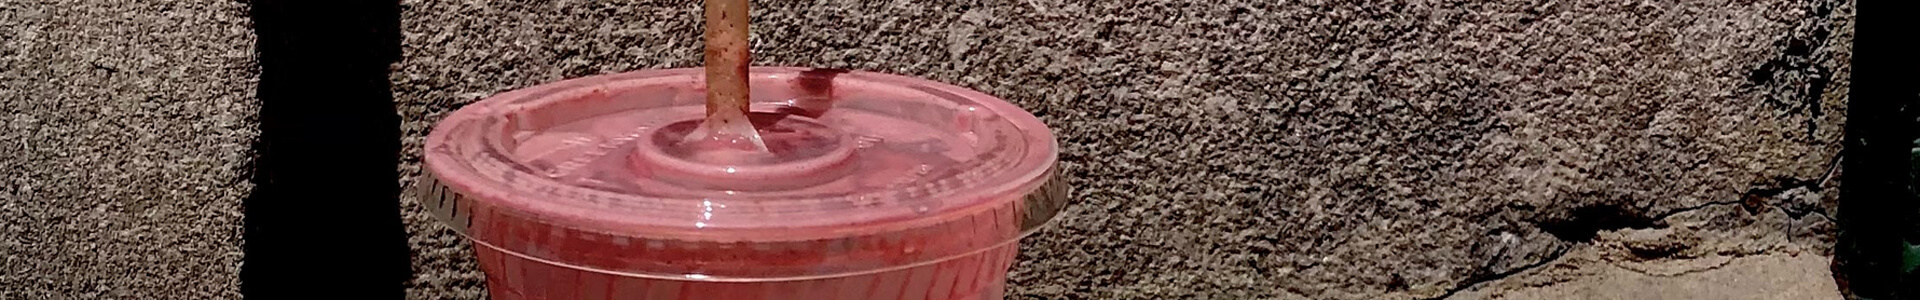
x,y
875,187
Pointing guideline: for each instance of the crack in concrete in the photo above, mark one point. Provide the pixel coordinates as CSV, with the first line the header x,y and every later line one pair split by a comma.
x,y
1764,193
1833,170
1728,260
1761,195
1797,214
1661,217
1485,278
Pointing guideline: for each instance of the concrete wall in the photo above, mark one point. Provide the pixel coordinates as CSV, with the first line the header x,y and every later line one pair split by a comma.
x,y
1219,149
125,139
1260,149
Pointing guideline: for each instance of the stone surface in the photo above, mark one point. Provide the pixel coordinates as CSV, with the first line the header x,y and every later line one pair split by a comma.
x,y
125,131
1260,149
1220,150
1715,251
1583,275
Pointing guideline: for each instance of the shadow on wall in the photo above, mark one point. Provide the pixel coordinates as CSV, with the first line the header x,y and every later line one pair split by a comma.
x,y
1879,213
324,219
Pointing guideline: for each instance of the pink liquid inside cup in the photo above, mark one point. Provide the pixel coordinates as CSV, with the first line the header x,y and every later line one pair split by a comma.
x,y
587,189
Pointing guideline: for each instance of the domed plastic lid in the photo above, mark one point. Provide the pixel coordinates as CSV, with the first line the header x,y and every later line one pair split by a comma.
x,y
863,172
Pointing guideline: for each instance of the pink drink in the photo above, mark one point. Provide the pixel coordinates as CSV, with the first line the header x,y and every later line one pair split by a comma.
x,y
587,189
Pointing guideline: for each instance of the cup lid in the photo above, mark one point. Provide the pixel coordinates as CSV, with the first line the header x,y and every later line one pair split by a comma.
x,y
850,155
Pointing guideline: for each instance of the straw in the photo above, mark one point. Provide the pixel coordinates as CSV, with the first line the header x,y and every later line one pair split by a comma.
x,y
727,58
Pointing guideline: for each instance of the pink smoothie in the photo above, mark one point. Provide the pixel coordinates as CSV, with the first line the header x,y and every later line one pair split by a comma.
x,y
588,189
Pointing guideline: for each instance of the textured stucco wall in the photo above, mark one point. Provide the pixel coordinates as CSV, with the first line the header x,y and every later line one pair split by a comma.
x,y
1220,150
125,135
1262,149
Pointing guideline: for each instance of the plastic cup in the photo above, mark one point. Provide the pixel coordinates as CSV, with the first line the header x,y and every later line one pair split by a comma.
x,y
586,189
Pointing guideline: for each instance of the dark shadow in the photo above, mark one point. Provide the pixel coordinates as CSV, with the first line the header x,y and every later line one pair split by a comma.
x,y
324,219
1587,222
1878,209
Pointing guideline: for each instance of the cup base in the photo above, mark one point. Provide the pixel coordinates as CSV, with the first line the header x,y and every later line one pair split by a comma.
x,y
981,276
